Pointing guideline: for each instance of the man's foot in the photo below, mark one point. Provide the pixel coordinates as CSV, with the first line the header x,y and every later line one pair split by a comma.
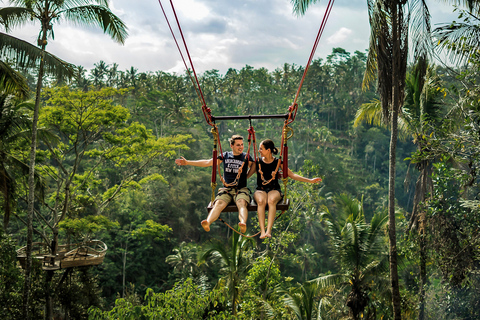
x,y
243,227
206,225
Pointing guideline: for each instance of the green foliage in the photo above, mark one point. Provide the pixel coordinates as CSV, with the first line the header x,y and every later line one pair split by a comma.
x,y
84,229
360,250
110,174
257,275
151,229
184,301
11,280
454,228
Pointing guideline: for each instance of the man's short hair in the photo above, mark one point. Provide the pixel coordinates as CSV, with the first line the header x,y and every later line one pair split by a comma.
x,y
234,138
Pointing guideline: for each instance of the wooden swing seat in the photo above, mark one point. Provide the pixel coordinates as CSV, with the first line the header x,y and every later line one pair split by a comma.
x,y
252,206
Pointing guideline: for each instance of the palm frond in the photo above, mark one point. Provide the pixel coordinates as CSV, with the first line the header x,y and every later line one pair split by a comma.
x,y
100,16
420,27
12,82
301,6
26,55
78,3
12,17
460,39
371,113
330,280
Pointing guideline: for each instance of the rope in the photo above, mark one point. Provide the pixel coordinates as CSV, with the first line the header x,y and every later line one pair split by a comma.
x,y
292,110
196,84
207,112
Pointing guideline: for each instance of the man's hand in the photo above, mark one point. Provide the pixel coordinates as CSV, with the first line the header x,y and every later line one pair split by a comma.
x,y
181,162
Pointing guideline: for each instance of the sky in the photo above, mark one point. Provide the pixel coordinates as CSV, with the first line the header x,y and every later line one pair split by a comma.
x,y
220,34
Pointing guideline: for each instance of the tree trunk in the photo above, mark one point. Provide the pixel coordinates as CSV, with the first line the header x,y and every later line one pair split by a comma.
x,y
391,221
397,78
48,295
423,274
31,191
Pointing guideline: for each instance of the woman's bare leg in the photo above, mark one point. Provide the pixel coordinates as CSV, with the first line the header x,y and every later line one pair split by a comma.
x,y
273,197
261,200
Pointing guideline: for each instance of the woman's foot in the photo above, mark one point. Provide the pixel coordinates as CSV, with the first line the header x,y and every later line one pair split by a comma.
x,y
243,227
262,235
206,225
268,235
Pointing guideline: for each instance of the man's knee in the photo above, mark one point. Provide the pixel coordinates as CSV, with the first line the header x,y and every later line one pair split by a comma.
x,y
242,203
220,204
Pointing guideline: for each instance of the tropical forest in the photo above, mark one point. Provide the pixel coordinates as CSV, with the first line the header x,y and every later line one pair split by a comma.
x,y
100,222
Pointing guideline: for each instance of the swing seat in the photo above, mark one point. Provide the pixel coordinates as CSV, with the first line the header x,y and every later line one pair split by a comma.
x,y
252,206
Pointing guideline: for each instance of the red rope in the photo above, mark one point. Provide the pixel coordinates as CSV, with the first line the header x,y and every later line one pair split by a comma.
x,y
294,107
196,84
292,110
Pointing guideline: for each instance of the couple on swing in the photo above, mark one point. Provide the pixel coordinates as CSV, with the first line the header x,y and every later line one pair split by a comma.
x,y
238,167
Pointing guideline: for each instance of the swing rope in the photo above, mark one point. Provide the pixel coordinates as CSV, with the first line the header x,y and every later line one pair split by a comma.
x,y
292,110
207,112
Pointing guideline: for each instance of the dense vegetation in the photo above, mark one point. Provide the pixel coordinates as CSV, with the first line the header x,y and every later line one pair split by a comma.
x,y
111,138
104,169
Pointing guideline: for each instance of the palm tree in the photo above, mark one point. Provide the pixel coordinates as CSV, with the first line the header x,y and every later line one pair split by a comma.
x,y
184,260
302,300
14,125
46,12
231,259
360,250
390,22
420,115
306,258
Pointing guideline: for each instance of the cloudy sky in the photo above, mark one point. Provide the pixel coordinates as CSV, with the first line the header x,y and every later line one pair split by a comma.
x,y
220,34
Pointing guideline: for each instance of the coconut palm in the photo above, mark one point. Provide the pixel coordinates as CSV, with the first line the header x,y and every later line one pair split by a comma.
x,y
14,124
232,260
47,12
303,300
360,250
392,24
184,260
420,114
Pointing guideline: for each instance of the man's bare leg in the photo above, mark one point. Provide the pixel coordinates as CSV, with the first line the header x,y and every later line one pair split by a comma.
x,y
214,214
242,214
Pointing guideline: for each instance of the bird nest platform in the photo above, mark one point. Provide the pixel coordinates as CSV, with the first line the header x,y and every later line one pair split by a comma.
x,y
89,253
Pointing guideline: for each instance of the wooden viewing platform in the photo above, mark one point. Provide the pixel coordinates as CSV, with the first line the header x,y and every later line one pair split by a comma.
x,y
88,253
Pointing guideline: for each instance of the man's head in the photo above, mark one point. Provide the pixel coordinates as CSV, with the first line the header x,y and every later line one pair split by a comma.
x,y
236,143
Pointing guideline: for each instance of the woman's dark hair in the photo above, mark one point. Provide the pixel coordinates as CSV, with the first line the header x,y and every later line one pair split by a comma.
x,y
268,144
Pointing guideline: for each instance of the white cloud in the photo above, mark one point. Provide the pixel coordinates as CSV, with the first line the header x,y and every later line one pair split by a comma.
x,y
221,34
339,36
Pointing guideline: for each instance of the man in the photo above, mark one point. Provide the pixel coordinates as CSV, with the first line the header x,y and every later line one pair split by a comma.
x,y
237,168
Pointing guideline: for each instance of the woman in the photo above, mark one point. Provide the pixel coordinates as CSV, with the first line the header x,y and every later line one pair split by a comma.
x,y
268,189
